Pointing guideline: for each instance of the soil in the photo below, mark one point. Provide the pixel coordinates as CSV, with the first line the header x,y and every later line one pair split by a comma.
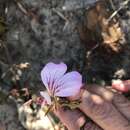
x,y
35,32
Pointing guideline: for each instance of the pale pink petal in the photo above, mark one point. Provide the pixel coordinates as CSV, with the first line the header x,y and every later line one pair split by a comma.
x,y
69,84
51,72
46,96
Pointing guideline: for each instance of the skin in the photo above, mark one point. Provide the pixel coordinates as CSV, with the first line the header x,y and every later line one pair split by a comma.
x,y
108,110
2,126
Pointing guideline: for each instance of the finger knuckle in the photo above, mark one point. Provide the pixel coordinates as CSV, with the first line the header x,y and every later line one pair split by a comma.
x,y
102,111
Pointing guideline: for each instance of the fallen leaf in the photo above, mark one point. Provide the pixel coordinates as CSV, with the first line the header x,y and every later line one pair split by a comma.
x,y
96,29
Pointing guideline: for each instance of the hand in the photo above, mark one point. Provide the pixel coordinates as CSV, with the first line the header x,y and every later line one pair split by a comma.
x,y
107,109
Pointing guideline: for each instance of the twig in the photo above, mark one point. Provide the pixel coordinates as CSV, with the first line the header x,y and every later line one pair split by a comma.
x,y
25,11
60,14
65,26
63,17
112,5
90,52
22,8
116,12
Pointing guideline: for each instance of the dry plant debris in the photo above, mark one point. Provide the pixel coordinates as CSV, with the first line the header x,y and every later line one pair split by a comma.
x,y
96,29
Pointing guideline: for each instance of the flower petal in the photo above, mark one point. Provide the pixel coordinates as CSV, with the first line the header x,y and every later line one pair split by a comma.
x,y
69,84
67,92
51,72
46,96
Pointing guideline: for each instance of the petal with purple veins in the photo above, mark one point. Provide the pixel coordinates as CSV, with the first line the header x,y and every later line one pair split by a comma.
x,y
51,72
67,92
69,84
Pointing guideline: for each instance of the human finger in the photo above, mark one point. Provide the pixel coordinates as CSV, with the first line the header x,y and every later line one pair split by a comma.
x,y
73,120
91,126
123,86
121,103
102,112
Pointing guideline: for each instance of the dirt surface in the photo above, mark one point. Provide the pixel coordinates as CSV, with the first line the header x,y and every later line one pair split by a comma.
x,y
9,118
80,33
43,31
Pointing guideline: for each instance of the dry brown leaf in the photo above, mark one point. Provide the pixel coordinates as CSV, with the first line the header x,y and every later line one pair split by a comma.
x,y
111,33
97,29
23,65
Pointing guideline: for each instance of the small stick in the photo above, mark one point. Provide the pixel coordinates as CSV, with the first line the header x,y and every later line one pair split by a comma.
x,y
116,12
22,8
63,17
60,14
112,5
89,52
25,11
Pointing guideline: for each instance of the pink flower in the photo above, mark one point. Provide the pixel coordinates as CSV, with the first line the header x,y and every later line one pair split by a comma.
x,y
59,84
